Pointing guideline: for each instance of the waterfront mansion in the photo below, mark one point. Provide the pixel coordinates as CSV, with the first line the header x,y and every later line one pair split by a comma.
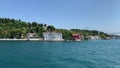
x,y
52,36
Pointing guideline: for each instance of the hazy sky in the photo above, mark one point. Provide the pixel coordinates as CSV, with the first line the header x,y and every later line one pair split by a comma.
x,y
103,15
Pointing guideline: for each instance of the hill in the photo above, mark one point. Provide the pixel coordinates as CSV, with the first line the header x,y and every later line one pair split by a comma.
x,y
11,28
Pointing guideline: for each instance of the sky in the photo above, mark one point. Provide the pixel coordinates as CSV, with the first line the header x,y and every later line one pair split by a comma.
x,y
102,15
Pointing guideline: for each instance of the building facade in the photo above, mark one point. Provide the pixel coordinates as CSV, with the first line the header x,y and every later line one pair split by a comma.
x,y
93,37
52,36
33,37
76,37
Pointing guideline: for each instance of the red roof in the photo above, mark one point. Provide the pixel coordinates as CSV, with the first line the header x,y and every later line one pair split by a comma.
x,y
75,34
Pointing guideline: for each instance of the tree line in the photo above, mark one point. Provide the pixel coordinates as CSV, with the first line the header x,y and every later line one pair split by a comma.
x,y
11,28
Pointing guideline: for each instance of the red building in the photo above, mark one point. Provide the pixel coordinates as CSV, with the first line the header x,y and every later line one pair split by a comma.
x,y
76,37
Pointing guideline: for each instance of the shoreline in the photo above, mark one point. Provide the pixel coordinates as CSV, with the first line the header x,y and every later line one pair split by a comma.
x,y
13,39
38,40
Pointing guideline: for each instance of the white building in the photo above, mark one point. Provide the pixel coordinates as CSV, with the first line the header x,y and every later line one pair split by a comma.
x,y
33,37
93,37
52,36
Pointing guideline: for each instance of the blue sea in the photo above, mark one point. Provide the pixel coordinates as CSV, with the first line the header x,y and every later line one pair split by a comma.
x,y
84,54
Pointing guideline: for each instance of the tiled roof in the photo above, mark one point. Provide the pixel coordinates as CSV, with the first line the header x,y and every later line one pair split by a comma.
x,y
75,34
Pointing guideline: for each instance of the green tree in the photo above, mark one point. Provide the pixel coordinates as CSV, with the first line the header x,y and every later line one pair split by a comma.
x,y
51,28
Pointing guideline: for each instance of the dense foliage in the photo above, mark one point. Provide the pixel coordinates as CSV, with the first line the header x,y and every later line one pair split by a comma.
x,y
11,28
91,33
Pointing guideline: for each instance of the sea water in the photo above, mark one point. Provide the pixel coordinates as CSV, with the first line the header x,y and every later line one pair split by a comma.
x,y
84,54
